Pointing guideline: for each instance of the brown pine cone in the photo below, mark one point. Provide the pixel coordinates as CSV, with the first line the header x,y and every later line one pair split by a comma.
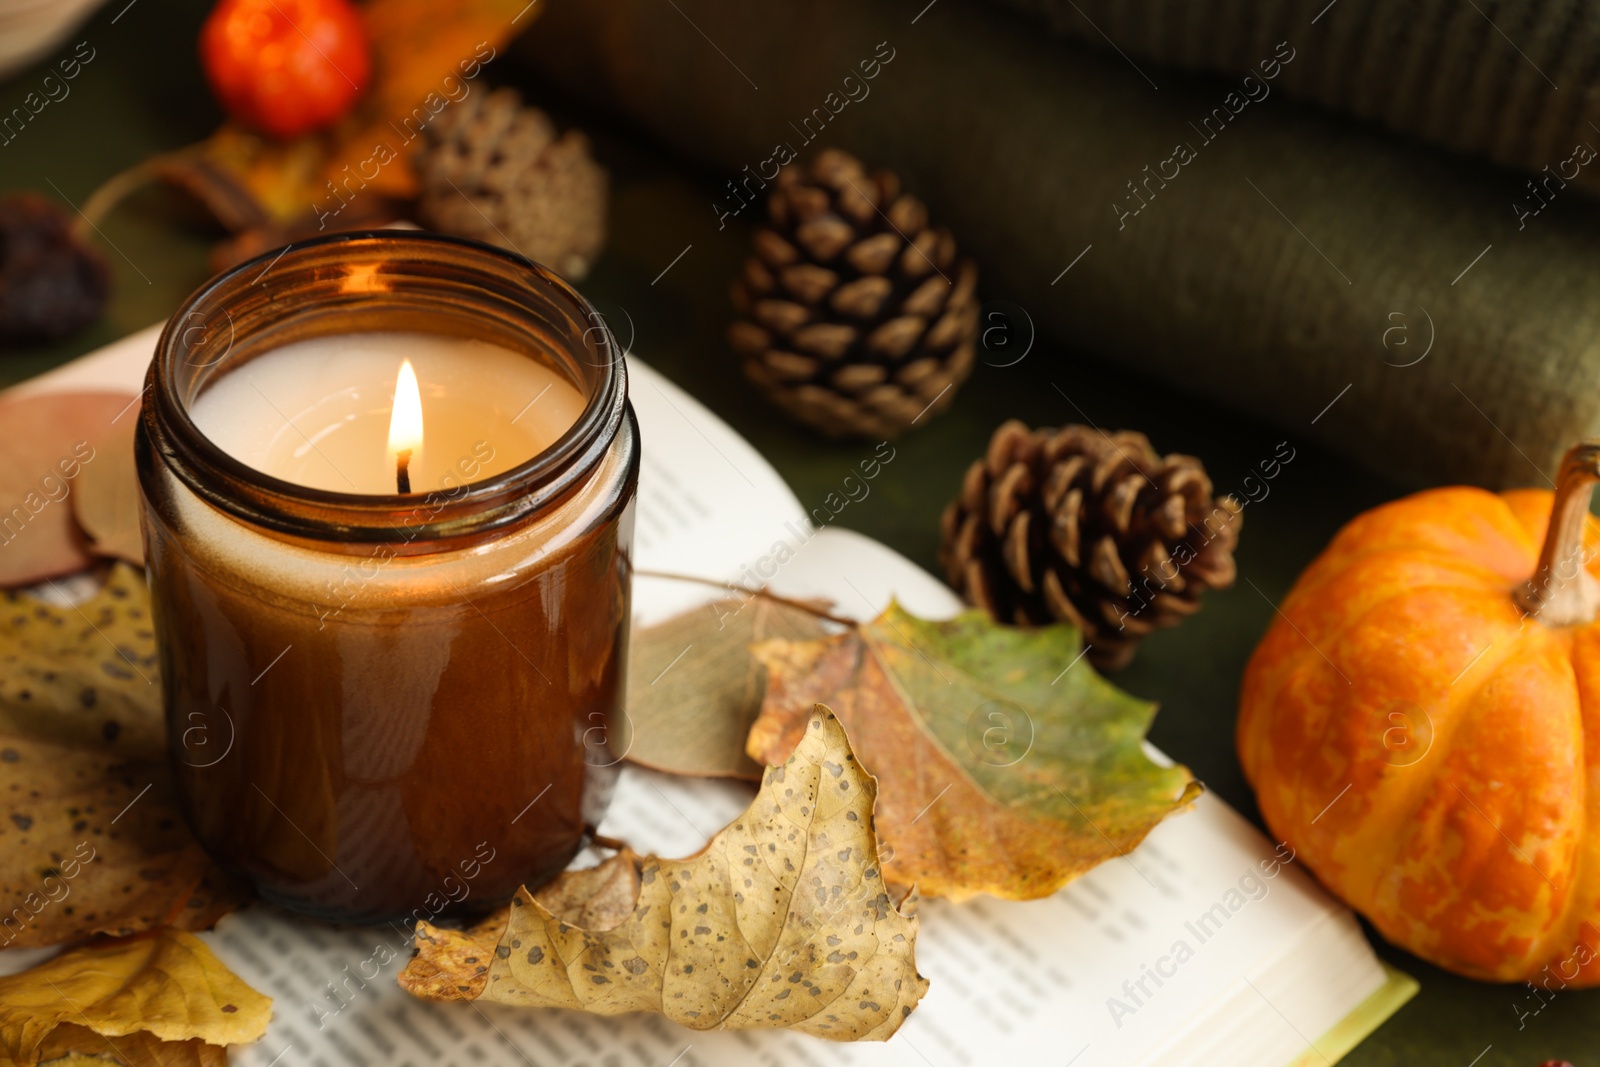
x,y
496,171
1090,528
51,283
857,317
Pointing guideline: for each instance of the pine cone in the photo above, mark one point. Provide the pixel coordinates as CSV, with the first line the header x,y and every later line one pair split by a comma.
x,y
857,318
1090,528
496,171
51,283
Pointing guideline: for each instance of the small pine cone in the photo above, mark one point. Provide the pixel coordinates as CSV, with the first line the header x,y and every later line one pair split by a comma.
x,y
1095,529
496,171
51,283
857,317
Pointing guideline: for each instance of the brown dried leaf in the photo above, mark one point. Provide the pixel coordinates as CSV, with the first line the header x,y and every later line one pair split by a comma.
x,y
124,992
51,438
781,921
91,839
1007,766
106,502
694,689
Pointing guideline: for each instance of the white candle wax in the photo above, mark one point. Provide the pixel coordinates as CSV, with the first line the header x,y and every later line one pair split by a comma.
x,y
317,412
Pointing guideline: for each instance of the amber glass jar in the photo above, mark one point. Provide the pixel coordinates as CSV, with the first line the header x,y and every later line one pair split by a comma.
x,y
390,706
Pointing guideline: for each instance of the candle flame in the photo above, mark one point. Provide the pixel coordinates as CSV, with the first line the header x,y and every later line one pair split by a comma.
x,y
405,423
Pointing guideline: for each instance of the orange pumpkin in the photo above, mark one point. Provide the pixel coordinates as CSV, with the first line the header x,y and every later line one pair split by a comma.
x,y
1422,725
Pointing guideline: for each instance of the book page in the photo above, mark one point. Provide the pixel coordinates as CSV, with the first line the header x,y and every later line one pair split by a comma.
x,y
1206,928
709,505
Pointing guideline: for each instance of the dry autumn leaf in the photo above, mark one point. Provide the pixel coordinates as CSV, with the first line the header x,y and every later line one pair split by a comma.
x,y
1006,766
106,500
782,920
70,1045
694,688
91,840
51,439
150,998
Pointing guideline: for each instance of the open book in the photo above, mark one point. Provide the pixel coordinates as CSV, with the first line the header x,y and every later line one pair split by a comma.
x,y
1206,945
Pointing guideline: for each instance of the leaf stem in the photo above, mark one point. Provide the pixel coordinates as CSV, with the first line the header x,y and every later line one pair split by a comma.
x,y
763,593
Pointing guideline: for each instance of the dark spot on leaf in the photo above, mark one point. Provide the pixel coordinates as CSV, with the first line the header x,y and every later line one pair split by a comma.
x,y
23,821
535,954
111,729
503,951
9,755
634,966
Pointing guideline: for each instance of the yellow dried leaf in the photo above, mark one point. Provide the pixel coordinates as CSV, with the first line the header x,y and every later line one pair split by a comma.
x,y
166,984
91,839
781,921
70,1045
597,898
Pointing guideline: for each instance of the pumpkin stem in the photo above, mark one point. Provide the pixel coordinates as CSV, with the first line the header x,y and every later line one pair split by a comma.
x,y
1562,592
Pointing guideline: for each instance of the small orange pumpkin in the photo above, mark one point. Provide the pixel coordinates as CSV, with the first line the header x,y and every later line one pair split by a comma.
x,y
1422,724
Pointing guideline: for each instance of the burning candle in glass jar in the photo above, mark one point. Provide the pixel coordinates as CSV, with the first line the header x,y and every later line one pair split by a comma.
x,y
388,531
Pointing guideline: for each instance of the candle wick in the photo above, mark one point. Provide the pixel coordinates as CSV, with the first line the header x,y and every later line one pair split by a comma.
x,y
402,471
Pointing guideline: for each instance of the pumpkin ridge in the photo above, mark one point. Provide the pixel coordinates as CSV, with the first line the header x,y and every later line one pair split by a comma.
x,y
1498,519
1397,799
1460,710
1491,579
1585,876
1275,681
1393,801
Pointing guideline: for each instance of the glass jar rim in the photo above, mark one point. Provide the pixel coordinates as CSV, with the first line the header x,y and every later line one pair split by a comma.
x,y
477,507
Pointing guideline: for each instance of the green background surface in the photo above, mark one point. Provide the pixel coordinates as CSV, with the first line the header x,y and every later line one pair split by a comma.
x,y
143,93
